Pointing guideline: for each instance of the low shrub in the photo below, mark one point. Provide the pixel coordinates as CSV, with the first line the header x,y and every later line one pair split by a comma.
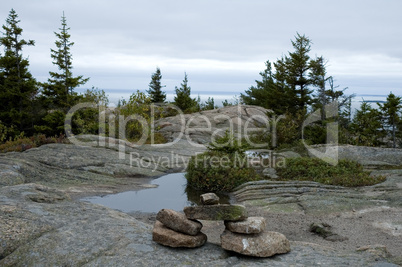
x,y
221,168
219,172
24,143
345,173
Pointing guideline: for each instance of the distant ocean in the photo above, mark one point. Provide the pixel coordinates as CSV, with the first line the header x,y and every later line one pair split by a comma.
x,y
116,94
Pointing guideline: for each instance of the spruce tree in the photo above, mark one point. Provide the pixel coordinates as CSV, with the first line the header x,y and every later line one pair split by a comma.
x,y
391,110
183,98
59,90
18,88
366,126
289,88
267,93
155,88
298,67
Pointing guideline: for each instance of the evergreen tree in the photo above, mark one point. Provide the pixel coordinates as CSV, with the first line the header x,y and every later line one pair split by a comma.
x,y
298,78
59,90
209,104
58,93
326,95
366,126
391,114
155,88
289,88
183,98
18,88
267,93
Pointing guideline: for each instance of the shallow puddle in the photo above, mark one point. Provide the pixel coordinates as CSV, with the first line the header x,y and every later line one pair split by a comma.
x,y
171,193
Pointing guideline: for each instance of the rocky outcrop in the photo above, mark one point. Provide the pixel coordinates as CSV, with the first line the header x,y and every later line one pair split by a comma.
x,y
85,168
371,156
63,232
199,127
265,189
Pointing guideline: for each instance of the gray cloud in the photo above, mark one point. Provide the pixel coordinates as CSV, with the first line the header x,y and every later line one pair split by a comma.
x,y
221,44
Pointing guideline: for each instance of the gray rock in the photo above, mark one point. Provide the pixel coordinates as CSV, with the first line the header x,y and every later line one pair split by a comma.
x,y
199,127
363,155
270,173
75,233
167,237
216,212
67,165
265,244
209,199
324,230
251,225
178,222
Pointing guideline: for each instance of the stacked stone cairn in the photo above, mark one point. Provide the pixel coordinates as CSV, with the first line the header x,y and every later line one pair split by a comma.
x,y
243,234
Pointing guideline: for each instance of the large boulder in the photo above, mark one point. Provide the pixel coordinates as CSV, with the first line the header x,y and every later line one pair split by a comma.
x,y
224,212
199,127
178,222
167,237
265,244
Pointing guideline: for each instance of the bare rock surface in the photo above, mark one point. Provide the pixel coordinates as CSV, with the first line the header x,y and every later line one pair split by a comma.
x,y
375,156
167,237
199,127
216,212
109,169
72,233
251,225
178,222
264,244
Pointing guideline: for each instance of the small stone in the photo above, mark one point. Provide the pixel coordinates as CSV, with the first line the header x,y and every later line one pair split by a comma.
x,y
167,237
324,230
224,212
252,225
265,244
209,199
321,229
270,173
178,222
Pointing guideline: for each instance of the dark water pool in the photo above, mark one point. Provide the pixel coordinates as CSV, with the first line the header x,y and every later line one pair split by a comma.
x,y
171,193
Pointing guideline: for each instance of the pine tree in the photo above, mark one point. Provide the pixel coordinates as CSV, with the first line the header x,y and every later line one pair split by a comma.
x,y
366,126
267,93
289,88
59,90
298,65
18,88
391,114
183,98
155,88
209,104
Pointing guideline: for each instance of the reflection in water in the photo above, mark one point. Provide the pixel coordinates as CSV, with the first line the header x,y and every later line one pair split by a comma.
x,y
171,193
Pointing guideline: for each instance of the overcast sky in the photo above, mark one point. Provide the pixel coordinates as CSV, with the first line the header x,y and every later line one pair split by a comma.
x,y
221,44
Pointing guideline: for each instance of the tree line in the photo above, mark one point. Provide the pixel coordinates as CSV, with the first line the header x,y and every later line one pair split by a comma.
x,y
29,107
295,85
